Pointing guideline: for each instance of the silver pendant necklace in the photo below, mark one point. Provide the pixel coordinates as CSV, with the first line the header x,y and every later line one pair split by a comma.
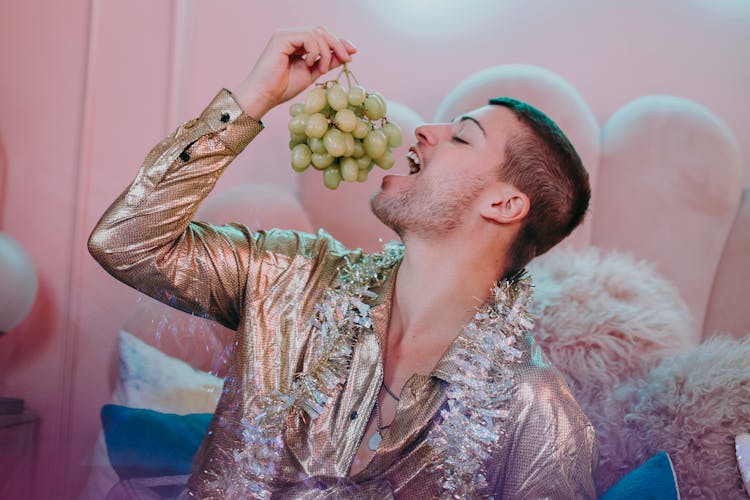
x,y
374,442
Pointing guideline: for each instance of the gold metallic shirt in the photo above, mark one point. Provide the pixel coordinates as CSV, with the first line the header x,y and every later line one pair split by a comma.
x,y
264,285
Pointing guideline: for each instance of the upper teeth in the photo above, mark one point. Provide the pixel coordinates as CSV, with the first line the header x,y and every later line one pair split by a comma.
x,y
414,164
413,156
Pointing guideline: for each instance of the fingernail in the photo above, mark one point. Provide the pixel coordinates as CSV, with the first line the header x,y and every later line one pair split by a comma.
x,y
350,44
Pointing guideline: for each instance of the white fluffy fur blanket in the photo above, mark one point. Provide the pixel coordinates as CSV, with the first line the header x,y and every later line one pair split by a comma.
x,y
626,343
691,405
604,318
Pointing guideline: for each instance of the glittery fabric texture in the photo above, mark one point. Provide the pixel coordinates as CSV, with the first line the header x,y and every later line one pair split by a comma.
x,y
269,286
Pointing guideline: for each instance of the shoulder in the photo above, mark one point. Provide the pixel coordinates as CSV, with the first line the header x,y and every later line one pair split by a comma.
x,y
551,450
544,397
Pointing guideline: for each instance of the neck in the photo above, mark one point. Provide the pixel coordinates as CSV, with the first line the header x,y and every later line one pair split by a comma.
x,y
439,286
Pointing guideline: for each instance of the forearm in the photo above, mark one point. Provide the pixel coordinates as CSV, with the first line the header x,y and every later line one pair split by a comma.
x,y
145,238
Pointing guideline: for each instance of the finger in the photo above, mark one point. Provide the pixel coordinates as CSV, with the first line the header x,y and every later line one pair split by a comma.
x,y
301,44
336,62
338,47
350,47
312,50
324,63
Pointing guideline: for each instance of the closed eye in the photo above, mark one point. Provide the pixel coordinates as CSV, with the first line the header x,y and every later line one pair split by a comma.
x,y
459,140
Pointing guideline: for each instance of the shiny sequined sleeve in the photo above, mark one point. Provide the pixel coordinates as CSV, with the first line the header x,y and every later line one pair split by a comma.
x,y
147,239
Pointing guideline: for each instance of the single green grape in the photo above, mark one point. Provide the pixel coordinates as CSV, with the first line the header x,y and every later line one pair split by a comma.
x,y
362,174
316,145
334,142
316,126
356,95
375,106
385,161
375,143
362,129
301,157
298,123
359,149
382,101
364,162
345,120
296,108
374,109
332,177
315,100
349,144
321,160
298,138
349,169
336,96
393,132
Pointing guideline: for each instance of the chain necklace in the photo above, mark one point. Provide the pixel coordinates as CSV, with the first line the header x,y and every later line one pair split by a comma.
x,y
374,442
388,390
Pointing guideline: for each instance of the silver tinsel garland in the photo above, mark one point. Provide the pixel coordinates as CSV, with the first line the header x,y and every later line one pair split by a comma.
x,y
480,390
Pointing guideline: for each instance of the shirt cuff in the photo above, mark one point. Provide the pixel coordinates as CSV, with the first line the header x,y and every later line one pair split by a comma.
x,y
225,117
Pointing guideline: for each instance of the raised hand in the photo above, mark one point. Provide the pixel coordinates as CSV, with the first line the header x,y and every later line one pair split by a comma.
x,y
292,60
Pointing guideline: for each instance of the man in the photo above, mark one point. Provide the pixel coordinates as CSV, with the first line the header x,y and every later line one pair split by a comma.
x,y
409,373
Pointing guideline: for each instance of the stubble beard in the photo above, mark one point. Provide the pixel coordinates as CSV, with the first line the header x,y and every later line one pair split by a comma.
x,y
425,213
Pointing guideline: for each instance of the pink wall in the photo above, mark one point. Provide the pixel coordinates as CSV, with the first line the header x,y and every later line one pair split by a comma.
x,y
88,86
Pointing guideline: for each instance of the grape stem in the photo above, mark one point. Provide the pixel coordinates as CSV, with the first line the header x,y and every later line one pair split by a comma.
x,y
348,74
353,76
345,72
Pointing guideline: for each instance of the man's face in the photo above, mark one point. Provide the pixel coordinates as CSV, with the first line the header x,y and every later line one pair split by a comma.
x,y
451,165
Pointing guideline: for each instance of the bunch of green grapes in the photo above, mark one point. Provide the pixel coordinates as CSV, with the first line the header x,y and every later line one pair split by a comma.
x,y
342,131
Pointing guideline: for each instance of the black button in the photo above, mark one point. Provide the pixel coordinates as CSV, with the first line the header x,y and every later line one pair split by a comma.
x,y
224,117
353,415
184,156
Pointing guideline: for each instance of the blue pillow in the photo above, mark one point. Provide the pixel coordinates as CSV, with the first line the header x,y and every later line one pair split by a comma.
x,y
655,479
147,443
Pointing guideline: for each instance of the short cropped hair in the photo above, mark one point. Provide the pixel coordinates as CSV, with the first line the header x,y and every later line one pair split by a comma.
x,y
542,163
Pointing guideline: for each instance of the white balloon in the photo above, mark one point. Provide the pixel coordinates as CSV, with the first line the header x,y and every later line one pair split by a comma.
x,y
18,283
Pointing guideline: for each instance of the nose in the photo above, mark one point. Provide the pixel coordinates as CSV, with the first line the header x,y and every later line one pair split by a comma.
x,y
430,133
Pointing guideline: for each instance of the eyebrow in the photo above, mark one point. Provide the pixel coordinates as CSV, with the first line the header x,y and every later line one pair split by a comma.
x,y
469,118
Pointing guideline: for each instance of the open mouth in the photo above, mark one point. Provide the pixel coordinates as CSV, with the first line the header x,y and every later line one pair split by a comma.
x,y
415,164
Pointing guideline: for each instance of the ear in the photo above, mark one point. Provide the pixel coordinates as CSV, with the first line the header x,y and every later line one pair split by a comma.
x,y
505,204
